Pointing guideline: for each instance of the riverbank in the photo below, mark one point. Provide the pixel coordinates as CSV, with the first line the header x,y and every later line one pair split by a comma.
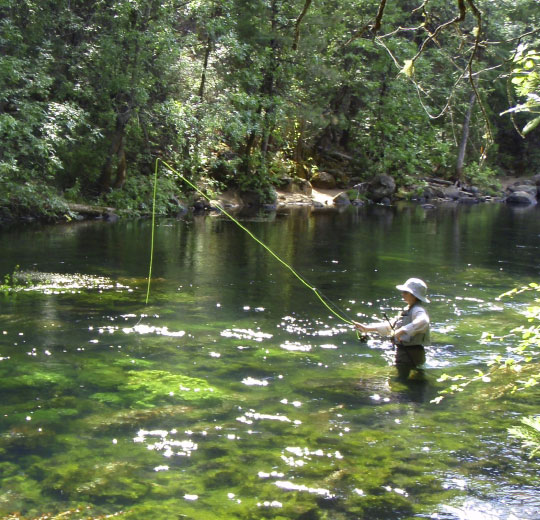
x,y
320,197
382,189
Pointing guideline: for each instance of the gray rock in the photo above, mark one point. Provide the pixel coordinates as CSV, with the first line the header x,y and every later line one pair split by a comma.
x,y
381,187
521,197
229,199
431,192
451,192
255,199
323,180
531,189
305,186
295,185
341,199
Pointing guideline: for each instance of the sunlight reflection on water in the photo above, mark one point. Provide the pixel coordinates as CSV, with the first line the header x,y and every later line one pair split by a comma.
x,y
301,412
167,446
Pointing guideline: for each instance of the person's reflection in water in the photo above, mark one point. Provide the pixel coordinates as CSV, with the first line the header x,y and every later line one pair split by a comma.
x,y
411,390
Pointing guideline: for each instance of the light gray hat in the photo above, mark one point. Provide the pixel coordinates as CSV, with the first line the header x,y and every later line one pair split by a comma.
x,y
416,287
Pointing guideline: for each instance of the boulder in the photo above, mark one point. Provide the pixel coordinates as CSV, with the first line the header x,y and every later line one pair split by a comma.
x,y
431,192
341,199
381,187
228,199
451,192
531,189
304,186
252,199
323,180
295,185
521,197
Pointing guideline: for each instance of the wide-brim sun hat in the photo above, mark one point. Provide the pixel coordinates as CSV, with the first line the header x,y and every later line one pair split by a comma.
x,y
416,287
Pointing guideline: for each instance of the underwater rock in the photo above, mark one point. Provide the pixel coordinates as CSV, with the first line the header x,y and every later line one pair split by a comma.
x,y
131,419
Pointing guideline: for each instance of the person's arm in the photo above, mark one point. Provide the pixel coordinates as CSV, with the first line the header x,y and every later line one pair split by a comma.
x,y
381,328
419,323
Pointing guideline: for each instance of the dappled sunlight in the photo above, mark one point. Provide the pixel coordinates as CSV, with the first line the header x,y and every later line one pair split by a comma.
x,y
149,329
255,335
57,283
244,397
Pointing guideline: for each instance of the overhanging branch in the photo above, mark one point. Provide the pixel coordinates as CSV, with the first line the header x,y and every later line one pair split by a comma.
x,y
298,22
373,27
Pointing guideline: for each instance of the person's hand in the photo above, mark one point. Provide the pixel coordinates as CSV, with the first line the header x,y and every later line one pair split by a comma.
x,y
359,326
399,334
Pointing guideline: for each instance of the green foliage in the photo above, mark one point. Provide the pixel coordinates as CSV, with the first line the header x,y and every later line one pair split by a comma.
x,y
136,197
526,81
218,89
31,200
482,176
529,433
10,281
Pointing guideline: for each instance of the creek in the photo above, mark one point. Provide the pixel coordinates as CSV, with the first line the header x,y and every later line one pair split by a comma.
x,y
235,394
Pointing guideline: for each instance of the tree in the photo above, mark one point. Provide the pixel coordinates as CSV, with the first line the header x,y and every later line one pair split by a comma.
x,y
244,92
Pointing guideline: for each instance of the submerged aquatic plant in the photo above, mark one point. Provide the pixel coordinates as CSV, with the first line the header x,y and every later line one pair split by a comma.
x,y
28,280
145,388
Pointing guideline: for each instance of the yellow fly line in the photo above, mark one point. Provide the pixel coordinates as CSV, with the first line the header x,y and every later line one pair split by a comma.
x,y
222,210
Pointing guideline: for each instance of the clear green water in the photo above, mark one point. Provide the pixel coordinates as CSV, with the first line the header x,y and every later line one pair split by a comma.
x,y
234,394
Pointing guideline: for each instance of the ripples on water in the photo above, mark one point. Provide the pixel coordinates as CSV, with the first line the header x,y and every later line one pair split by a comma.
x,y
245,400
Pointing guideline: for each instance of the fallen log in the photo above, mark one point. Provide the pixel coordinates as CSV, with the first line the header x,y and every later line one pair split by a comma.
x,y
91,211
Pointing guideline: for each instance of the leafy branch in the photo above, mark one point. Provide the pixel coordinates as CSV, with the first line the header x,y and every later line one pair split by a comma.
x,y
522,361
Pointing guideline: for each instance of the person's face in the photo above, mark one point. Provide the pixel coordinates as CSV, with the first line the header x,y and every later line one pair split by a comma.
x,y
408,297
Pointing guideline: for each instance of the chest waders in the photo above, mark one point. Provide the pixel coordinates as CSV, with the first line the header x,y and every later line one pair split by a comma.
x,y
408,357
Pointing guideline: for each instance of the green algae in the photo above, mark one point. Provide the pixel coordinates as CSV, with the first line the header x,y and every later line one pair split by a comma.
x,y
276,430
130,419
147,387
36,378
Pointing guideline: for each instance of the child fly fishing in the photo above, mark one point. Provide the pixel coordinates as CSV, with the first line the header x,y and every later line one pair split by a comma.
x,y
409,331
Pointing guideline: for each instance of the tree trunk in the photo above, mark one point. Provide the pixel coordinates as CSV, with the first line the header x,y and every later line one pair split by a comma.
x,y
464,138
116,150
269,85
205,67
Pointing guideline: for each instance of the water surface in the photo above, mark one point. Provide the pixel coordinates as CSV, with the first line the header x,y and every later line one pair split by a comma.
x,y
235,394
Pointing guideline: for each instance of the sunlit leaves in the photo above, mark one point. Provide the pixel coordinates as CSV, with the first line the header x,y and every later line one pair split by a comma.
x,y
408,68
529,433
522,360
526,81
